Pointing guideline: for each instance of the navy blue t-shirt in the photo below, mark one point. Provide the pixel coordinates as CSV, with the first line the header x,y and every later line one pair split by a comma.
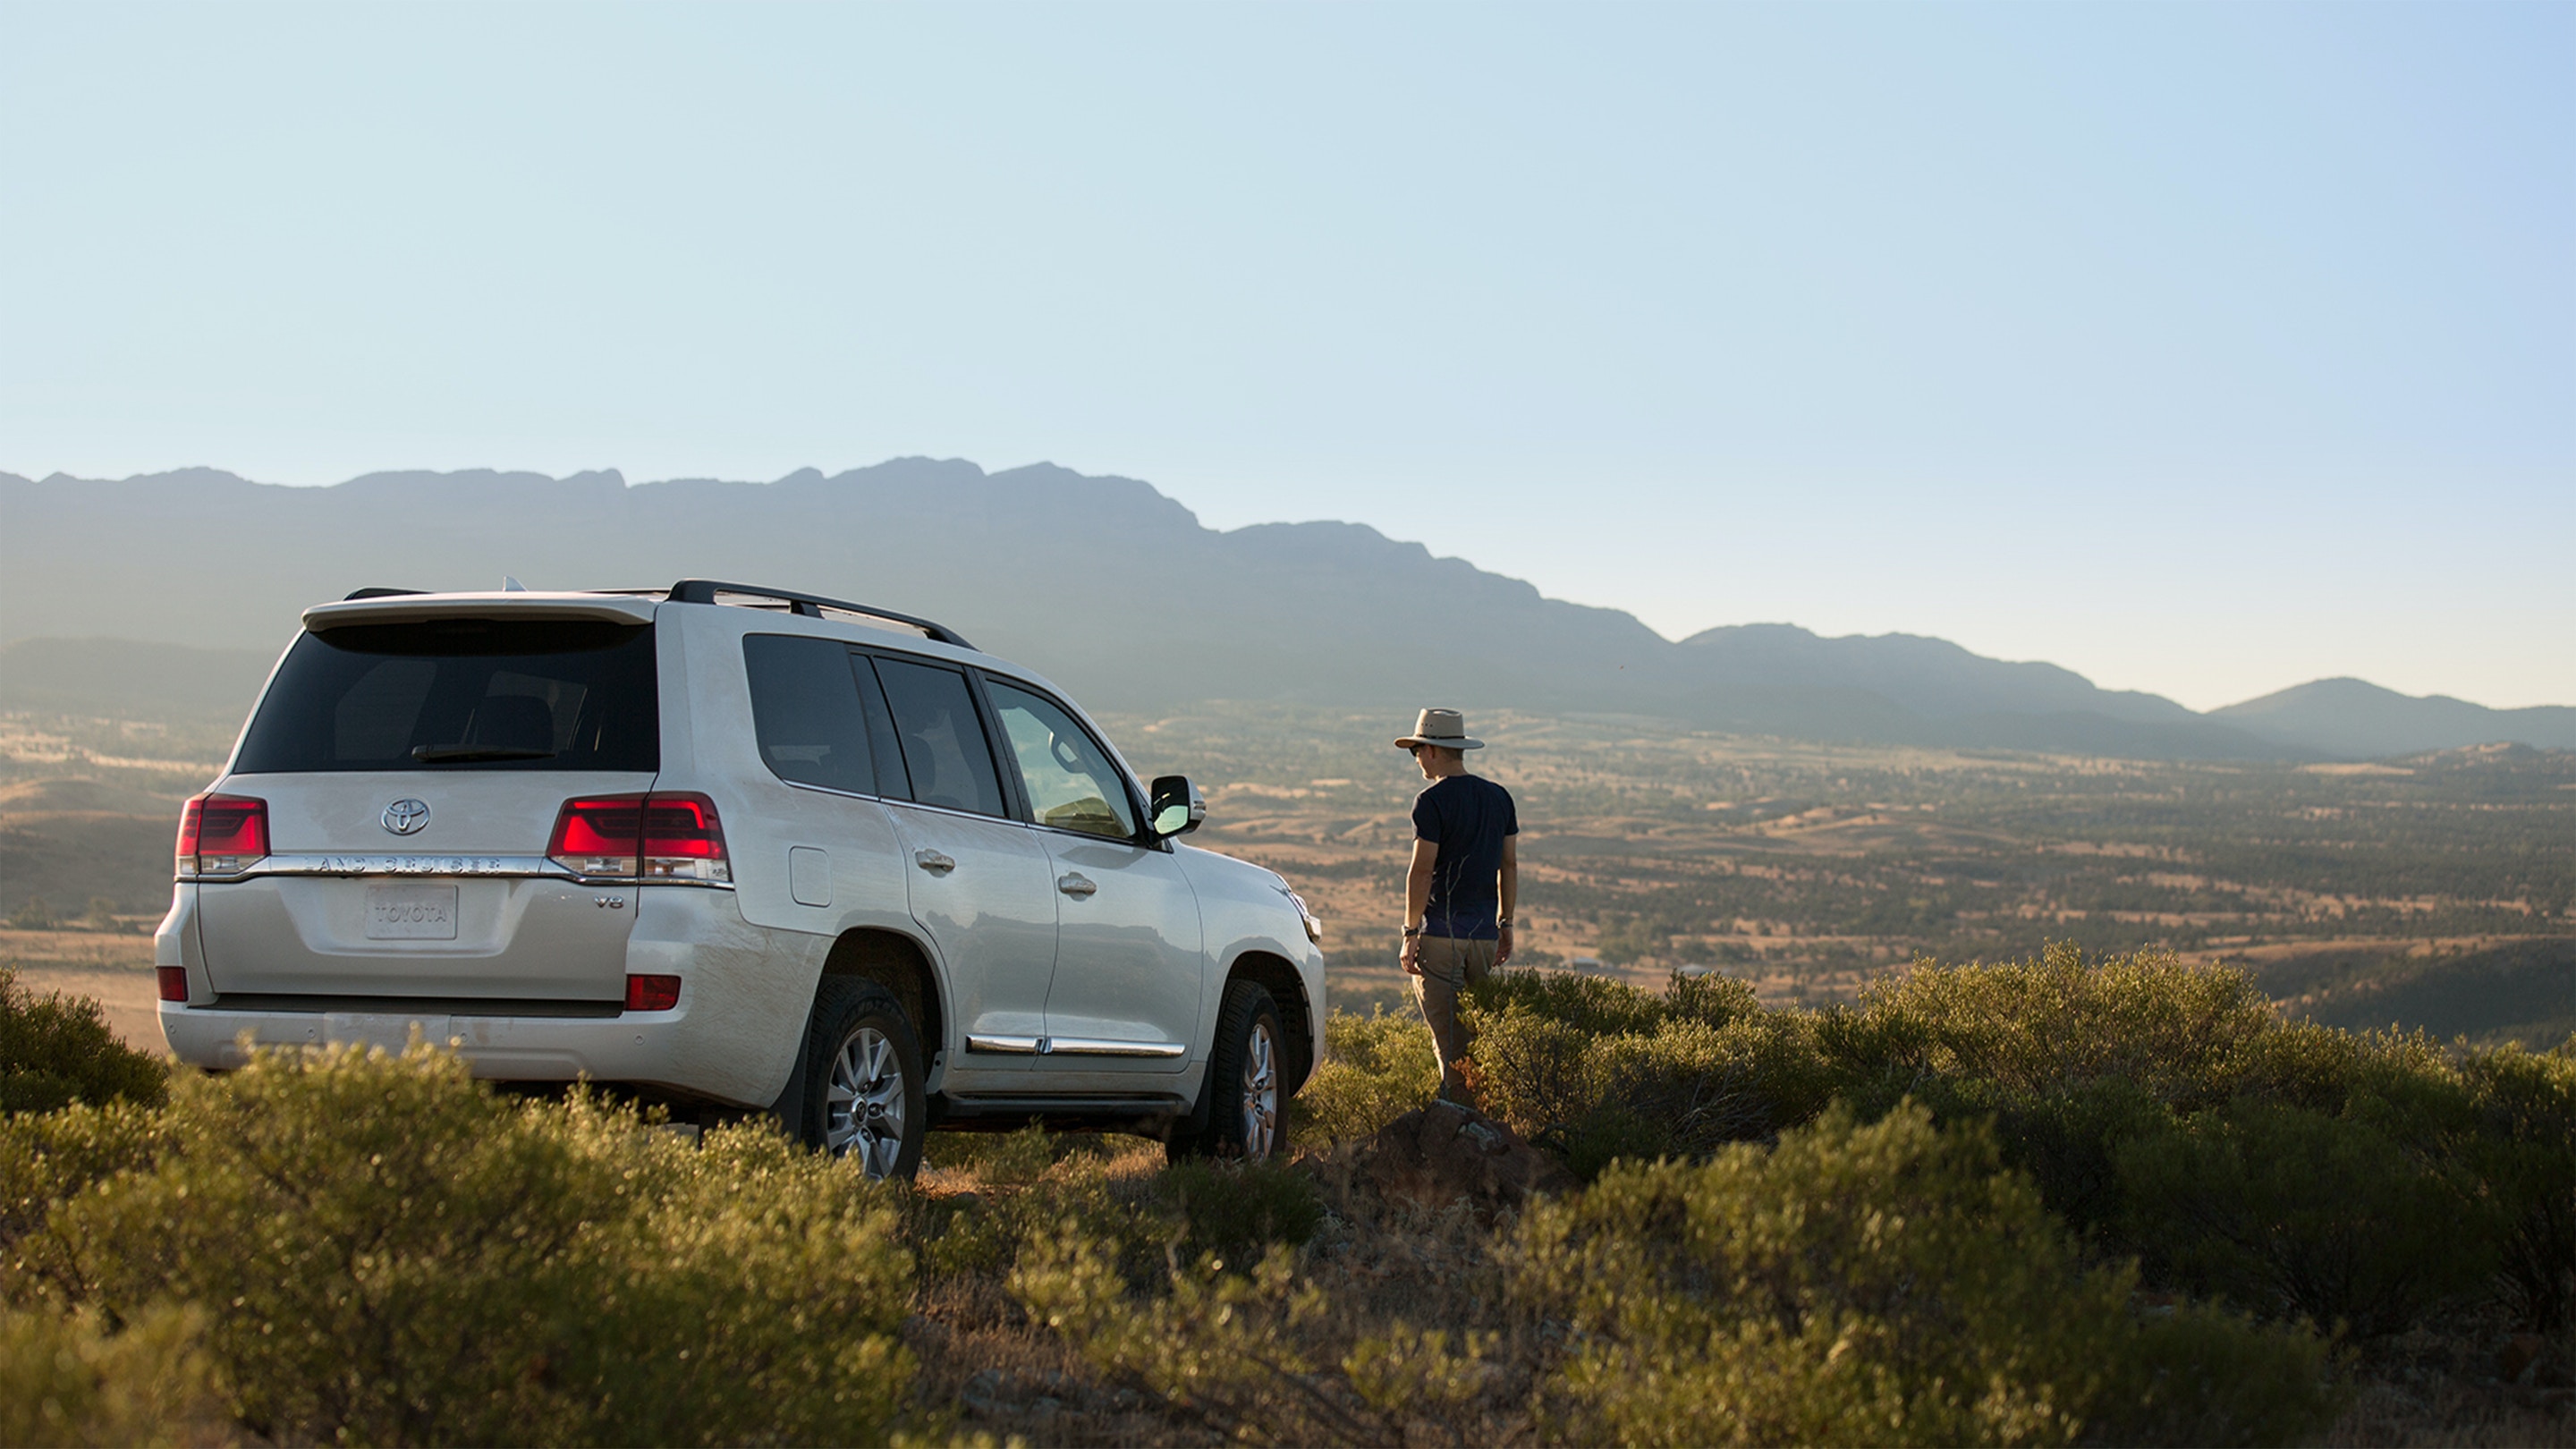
x,y
1467,817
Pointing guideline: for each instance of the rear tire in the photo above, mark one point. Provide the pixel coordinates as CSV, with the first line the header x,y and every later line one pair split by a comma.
x,y
864,1087
1247,1111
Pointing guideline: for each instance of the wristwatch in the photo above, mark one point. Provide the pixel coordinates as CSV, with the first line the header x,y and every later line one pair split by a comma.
x,y
1413,930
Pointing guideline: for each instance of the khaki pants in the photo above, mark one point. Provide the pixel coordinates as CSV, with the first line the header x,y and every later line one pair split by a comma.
x,y
1449,966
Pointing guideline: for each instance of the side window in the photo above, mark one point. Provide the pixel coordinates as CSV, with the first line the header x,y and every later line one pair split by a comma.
x,y
805,711
1071,783
942,737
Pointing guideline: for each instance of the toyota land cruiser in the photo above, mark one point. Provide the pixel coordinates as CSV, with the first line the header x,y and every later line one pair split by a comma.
x,y
742,850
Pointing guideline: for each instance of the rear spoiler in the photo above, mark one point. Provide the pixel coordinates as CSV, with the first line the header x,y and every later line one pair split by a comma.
x,y
396,608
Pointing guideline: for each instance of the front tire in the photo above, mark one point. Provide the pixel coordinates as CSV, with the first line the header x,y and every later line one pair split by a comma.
x,y
865,1094
1247,1112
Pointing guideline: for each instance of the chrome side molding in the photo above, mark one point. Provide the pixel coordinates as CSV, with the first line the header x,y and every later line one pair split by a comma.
x,y
1073,1046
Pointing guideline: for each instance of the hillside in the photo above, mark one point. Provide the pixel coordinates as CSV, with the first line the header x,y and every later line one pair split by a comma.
x,y
2357,718
1105,584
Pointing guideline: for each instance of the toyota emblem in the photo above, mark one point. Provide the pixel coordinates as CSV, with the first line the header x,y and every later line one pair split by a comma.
x,y
406,817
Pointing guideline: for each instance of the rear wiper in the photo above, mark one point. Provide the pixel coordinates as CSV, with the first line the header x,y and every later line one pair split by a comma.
x,y
458,754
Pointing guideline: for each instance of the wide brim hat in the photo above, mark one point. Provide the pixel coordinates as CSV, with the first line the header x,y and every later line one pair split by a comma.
x,y
1443,727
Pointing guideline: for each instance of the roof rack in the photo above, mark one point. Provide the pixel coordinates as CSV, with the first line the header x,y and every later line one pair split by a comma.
x,y
704,591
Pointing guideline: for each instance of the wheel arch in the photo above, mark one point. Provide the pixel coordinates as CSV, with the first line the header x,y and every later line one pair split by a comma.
x,y
899,964
1274,974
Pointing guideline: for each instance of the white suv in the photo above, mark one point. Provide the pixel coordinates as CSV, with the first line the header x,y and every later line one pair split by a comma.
x,y
741,850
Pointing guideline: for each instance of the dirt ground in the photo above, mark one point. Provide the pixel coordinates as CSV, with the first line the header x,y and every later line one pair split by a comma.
x,y
115,968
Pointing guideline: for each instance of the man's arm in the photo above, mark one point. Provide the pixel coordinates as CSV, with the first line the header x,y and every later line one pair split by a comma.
x,y
1508,880
1417,899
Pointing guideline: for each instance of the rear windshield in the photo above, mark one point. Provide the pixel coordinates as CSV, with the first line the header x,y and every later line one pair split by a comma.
x,y
462,694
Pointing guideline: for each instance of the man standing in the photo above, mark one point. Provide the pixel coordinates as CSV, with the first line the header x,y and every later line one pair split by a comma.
x,y
1465,879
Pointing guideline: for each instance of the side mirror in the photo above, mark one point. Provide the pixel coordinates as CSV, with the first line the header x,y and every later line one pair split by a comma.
x,y
1176,805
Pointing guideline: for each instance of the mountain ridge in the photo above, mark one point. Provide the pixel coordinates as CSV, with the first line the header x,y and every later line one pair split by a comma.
x,y
1103,582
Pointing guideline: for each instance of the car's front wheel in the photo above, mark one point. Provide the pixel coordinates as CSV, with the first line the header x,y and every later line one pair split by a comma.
x,y
1247,1107
865,1092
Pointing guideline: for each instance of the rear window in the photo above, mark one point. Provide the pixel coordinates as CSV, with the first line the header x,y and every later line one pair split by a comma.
x,y
462,694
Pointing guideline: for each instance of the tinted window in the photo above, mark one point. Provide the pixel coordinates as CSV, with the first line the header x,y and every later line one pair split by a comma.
x,y
805,710
942,737
1071,783
474,694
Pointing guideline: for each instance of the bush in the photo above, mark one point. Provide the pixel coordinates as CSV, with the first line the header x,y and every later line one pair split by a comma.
x,y
2181,1034
2526,1154
56,1050
2296,1213
1601,1006
1230,1349
1871,1284
65,1379
1036,1189
1235,1212
386,1252
48,1157
1376,1068
1688,1081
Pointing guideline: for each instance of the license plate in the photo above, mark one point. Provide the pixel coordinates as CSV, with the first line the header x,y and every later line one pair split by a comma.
x,y
411,913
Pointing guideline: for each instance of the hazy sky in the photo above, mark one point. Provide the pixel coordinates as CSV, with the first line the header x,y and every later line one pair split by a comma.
x,y
2203,349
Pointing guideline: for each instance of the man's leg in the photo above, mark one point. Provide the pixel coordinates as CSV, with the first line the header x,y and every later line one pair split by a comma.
x,y
1449,966
1443,974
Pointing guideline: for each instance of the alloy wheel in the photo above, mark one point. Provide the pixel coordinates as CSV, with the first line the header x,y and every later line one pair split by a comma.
x,y
1260,1094
863,1109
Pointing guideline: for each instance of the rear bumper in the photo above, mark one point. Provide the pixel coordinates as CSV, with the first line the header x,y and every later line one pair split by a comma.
x,y
745,993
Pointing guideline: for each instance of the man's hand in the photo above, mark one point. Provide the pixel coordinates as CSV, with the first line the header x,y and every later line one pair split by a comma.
x,y
1410,953
1502,944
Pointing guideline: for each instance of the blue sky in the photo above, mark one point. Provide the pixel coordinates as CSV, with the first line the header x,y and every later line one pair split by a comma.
x,y
2202,349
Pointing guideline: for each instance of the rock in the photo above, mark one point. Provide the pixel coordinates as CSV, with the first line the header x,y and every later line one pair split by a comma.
x,y
988,1393
1444,1152
2520,1358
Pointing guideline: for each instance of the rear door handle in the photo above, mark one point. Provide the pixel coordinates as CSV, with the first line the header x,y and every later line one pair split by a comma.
x,y
932,861
1074,885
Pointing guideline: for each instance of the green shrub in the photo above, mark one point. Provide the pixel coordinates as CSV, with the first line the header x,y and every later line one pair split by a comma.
x,y
1377,1068
56,1050
2179,1033
2296,1213
2525,1153
1036,1188
1236,1211
1682,1086
1603,1006
387,1252
66,1379
1533,1072
46,1157
1592,1005
1867,1285
2067,1138
1229,1348
2200,1374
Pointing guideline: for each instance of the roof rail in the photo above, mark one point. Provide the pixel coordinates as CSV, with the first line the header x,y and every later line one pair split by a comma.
x,y
376,593
704,591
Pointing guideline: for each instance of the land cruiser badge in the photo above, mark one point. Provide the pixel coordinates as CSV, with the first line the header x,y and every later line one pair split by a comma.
x,y
406,817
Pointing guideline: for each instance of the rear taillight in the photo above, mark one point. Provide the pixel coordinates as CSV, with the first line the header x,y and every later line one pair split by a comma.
x,y
222,834
174,982
667,836
682,840
597,835
652,993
